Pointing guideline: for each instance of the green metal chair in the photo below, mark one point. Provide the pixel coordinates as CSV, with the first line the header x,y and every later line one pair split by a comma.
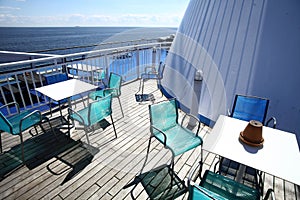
x,y
92,114
152,74
20,122
113,88
166,129
217,186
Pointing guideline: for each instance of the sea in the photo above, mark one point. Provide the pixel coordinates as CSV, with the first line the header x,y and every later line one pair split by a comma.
x,y
43,39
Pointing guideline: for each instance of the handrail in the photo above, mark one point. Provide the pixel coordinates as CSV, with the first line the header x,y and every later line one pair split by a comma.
x,y
18,83
118,49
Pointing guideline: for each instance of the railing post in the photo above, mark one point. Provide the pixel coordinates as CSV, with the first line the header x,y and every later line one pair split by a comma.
x,y
154,56
137,63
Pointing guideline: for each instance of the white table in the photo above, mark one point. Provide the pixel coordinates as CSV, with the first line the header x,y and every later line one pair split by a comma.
x,y
65,89
279,155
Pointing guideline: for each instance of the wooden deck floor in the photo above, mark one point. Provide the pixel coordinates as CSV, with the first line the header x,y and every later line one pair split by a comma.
x,y
63,168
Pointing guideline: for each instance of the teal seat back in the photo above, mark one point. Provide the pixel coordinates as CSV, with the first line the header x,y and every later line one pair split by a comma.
x,y
164,115
5,125
228,188
115,82
98,110
198,192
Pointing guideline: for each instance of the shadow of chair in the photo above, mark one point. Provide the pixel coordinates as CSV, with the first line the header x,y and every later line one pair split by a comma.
x,y
20,122
94,113
158,185
217,186
247,108
113,88
165,128
152,74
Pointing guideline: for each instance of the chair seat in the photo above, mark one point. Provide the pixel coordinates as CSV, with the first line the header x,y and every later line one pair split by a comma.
x,y
150,76
90,120
228,188
29,122
179,139
102,93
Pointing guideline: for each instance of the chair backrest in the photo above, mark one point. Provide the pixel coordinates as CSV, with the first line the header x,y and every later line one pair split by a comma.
x,y
115,82
99,109
5,125
250,108
164,115
55,78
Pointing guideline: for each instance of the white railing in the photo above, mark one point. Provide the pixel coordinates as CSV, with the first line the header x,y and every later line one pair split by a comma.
x,y
93,66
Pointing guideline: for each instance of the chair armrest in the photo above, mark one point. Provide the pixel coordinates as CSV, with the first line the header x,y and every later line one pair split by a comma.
x,y
71,111
28,116
12,103
165,137
274,122
228,113
153,69
269,193
108,89
195,118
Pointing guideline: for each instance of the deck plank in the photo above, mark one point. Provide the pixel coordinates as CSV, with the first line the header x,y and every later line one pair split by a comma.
x,y
65,169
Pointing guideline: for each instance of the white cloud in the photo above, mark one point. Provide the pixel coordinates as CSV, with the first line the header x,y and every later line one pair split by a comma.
x,y
91,20
8,8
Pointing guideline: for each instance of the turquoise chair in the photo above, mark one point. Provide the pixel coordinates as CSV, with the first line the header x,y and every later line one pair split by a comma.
x,y
92,114
113,88
152,74
20,122
165,128
217,186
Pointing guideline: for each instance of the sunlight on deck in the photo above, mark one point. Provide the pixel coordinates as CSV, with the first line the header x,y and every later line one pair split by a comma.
x,y
64,168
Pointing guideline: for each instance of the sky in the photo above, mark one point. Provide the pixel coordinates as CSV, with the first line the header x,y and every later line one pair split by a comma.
x,y
62,13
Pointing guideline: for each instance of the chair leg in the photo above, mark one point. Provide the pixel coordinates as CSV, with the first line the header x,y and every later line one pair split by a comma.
x,y
112,121
69,129
149,143
140,85
87,137
50,125
143,86
1,142
50,106
172,171
60,113
22,147
121,107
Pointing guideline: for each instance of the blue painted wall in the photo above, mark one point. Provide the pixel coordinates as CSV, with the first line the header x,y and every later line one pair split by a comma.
x,y
249,47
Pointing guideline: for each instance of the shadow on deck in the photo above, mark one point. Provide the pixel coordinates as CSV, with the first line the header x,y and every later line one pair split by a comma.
x,y
111,168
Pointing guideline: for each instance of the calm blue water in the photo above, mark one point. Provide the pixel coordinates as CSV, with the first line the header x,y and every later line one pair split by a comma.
x,y
23,39
36,39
